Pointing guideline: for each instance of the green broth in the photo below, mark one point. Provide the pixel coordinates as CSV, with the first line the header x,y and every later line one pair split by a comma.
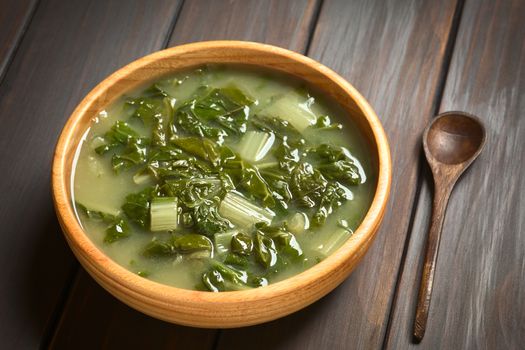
x,y
97,187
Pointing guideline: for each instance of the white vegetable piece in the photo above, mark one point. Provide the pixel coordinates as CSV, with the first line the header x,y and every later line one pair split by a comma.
x,y
298,223
223,241
293,108
254,145
163,214
242,212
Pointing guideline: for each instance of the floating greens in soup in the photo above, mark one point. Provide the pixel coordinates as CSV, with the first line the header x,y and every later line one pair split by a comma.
x,y
221,179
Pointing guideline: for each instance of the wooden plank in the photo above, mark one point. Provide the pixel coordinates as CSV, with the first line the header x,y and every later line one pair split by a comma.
x,y
268,21
14,17
122,326
478,298
67,49
394,54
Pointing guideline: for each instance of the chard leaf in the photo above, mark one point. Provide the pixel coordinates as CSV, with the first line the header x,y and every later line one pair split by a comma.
x,y
207,219
237,260
117,227
281,128
228,107
177,244
213,281
333,197
179,169
287,156
344,170
248,177
202,148
307,185
165,154
236,276
287,243
120,134
186,119
118,230
214,113
255,184
137,205
96,215
133,148
265,250
153,107
191,242
237,96
324,123
241,244
147,109
159,249
337,163
135,153
194,192
171,163
222,277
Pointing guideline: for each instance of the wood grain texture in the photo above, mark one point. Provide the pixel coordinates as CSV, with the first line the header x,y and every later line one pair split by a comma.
x,y
14,17
478,299
393,54
67,49
109,324
282,23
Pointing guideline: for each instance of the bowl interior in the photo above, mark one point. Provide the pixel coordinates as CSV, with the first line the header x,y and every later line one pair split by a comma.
x,y
194,307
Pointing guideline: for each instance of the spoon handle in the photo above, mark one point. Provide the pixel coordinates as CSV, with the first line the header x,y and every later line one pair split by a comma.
x,y
441,196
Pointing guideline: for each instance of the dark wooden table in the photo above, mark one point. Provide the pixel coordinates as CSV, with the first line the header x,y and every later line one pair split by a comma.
x,y
410,58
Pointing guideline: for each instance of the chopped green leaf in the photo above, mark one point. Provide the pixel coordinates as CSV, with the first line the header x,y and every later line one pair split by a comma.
x,y
333,197
324,123
208,220
191,242
337,163
202,148
281,128
95,215
116,231
241,244
120,134
159,249
307,185
266,252
137,207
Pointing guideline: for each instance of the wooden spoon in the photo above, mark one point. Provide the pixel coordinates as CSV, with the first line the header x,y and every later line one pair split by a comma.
x,y
451,142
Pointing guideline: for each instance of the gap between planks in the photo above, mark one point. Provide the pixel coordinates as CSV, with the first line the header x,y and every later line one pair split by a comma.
x,y
18,40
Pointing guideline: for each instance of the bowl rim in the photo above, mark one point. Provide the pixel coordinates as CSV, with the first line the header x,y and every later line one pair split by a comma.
x,y
158,294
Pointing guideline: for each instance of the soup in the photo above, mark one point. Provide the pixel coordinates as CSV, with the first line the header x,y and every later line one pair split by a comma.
x,y
221,178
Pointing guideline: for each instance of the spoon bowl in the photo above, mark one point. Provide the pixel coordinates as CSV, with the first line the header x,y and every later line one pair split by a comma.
x,y
452,141
454,138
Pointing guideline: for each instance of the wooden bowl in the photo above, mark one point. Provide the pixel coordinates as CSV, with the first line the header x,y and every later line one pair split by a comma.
x,y
225,309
